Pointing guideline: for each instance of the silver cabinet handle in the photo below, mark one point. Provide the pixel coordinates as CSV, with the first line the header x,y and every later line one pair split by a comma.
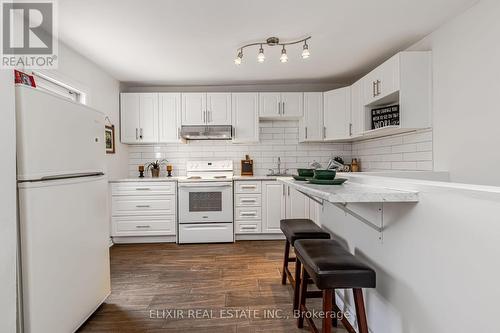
x,y
136,133
324,132
306,131
248,200
248,186
253,227
279,108
288,190
140,133
142,189
142,226
248,214
350,129
374,89
283,108
378,87
143,206
204,116
283,189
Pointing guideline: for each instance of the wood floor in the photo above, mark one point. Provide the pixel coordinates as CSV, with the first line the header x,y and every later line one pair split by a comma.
x,y
242,279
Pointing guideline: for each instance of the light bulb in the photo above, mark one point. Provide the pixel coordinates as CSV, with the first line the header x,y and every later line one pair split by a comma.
x,y
305,51
284,57
261,57
238,59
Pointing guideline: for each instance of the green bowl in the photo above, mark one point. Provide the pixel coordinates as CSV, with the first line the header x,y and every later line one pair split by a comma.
x,y
325,174
306,172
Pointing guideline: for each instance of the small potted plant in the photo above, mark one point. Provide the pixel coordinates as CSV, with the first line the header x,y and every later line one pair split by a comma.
x,y
155,167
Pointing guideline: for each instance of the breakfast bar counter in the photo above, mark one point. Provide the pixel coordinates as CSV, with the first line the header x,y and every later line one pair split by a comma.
x,y
351,192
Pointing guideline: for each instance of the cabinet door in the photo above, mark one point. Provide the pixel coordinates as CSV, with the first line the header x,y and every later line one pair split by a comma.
x,y
388,76
273,206
311,125
337,113
194,106
129,117
169,115
219,108
148,132
292,105
357,109
245,117
297,204
270,105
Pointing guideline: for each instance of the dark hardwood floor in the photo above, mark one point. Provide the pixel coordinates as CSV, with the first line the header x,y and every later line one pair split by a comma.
x,y
218,280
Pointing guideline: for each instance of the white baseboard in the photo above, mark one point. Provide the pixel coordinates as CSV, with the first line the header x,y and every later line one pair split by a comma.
x,y
144,239
259,237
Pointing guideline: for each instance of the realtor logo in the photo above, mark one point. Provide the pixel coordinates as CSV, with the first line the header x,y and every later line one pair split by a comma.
x,y
29,37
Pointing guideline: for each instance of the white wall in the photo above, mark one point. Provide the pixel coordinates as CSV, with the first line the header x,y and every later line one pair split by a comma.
x,y
466,72
8,222
103,96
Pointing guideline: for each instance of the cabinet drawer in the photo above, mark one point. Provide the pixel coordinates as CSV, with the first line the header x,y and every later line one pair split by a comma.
x,y
247,187
247,200
247,213
142,205
143,225
143,188
246,227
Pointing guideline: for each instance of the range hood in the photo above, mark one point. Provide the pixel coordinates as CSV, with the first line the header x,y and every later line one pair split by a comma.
x,y
207,132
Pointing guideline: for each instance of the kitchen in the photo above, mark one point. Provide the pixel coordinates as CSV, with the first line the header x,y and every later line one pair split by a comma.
x,y
202,236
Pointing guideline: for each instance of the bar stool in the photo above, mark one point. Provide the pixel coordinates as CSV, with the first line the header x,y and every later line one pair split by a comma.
x,y
295,229
331,267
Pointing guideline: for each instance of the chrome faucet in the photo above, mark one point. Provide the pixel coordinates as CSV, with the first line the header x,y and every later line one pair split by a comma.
x,y
278,172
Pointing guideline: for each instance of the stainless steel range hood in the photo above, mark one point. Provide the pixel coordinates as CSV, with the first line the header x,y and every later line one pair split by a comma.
x,y
207,132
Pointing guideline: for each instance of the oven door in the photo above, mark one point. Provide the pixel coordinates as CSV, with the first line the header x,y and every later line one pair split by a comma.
x,y
208,202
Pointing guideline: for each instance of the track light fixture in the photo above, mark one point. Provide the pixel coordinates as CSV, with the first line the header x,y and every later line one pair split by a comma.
x,y
273,41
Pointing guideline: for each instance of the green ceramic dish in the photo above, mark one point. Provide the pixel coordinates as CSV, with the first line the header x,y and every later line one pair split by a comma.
x,y
306,172
338,181
324,174
300,178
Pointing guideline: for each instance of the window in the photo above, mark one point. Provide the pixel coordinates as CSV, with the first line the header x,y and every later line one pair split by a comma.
x,y
48,83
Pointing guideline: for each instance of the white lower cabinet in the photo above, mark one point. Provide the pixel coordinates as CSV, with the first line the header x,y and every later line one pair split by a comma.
x,y
261,205
143,209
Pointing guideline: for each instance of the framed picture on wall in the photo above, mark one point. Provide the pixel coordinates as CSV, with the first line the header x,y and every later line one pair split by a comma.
x,y
109,138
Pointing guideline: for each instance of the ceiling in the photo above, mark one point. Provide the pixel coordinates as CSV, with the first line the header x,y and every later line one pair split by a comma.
x,y
188,42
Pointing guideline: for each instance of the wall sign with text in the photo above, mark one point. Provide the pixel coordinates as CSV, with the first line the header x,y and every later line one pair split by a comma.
x,y
386,116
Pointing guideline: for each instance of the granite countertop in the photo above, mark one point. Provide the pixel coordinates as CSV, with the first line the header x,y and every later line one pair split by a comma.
x,y
145,179
351,192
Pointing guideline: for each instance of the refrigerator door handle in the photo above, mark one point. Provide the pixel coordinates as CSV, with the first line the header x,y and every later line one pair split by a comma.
x,y
70,175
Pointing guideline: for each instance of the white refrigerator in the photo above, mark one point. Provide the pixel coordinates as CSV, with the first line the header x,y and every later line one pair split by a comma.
x,y
63,220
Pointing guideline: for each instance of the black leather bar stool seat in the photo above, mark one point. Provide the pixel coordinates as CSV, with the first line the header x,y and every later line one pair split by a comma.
x,y
295,229
331,267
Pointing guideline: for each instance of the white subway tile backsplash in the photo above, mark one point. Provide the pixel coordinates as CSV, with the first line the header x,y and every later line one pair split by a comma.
x,y
277,139
412,151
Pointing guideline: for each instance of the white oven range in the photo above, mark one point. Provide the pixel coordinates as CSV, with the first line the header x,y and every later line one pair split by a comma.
x,y
205,199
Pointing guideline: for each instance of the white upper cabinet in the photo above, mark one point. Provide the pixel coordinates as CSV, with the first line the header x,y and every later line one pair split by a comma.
x,y
382,81
169,110
218,109
148,132
206,109
292,105
270,105
194,108
281,105
129,118
357,110
245,117
139,117
337,114
311,125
